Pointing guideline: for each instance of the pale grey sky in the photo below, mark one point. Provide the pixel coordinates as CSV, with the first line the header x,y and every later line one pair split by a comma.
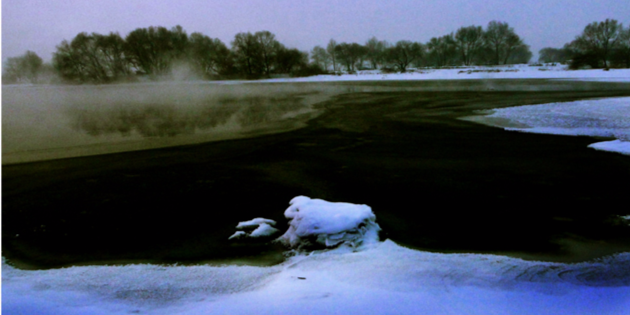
x,y
40,25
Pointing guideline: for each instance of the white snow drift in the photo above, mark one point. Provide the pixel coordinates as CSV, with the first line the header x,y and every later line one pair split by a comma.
x,y
329,223
384,279
609,117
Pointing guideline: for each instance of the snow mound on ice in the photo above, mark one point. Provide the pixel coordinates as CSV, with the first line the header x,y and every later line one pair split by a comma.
x,y
316,221
263,228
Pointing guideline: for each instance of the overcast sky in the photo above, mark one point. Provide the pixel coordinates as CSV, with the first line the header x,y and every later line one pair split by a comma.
x,y
41,25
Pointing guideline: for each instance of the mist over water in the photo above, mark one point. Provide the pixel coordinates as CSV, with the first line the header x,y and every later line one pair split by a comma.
x,y
48,122
168,120
61,121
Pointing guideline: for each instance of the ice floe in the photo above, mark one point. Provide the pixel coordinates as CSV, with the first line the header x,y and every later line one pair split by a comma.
x,y
263,228
609,117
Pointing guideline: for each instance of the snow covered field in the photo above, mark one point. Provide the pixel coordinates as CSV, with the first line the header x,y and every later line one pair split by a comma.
x,y
497,72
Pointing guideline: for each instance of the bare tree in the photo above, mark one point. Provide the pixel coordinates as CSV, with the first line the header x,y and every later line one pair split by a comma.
x,y
209,56
622,53
441,50
599,39
468,41
375,49
22,68
349,54
331,48
268,47
520,54
81,59
502,40
320,57
153,50
287,60
111,52
246,50
403,54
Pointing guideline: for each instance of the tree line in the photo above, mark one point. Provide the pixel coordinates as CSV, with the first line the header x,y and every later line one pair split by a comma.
x,y
603,44
497,44
157,52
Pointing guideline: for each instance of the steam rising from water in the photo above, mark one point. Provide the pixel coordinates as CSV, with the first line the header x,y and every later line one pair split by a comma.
x,y
43,122
47,122
167,120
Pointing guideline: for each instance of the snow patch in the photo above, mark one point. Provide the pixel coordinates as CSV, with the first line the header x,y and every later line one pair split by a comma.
x,y
263,227
254,223
618,146
238,234
609,117
316,221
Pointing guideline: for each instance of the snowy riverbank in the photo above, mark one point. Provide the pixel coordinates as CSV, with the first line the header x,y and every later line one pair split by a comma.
x,y
359,276
386,279
522,71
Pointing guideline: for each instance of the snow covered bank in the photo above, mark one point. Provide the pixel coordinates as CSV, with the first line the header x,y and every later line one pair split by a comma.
x,y
608,117
463,73
382,278
385,279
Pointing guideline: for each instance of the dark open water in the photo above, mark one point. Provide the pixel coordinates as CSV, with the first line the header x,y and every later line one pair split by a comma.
x,y
435,182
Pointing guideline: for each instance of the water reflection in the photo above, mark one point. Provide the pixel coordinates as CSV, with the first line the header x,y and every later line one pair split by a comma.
x,y
48,122
167,120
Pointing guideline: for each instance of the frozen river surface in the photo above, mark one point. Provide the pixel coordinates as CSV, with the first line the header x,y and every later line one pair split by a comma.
x,y
606,118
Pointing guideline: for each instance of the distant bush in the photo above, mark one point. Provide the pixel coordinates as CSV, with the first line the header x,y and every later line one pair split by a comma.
x,y
584,61
309,70
388,70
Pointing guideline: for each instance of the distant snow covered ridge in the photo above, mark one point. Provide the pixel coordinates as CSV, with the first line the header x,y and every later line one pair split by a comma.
x,y
609,117
384,279
496,72
316,221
